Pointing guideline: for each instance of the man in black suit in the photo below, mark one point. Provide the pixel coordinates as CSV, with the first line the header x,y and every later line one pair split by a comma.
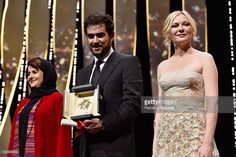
x,y
120,83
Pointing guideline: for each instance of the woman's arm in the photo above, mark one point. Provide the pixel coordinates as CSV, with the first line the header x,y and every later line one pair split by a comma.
x,y
64,146
210,76
156,117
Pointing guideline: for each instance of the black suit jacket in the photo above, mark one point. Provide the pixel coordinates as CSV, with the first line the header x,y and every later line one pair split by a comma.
x,y
121,89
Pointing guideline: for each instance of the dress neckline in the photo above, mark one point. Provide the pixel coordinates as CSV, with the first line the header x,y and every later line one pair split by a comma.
x,y
177,71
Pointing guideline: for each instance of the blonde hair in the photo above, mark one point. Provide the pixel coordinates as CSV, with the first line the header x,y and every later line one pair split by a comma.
x,y
168,22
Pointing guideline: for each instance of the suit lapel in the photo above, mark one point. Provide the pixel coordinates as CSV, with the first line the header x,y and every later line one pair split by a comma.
x,y
108,68
86,74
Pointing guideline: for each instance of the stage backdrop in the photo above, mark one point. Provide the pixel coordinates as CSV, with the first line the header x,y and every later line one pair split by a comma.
x,y
53,29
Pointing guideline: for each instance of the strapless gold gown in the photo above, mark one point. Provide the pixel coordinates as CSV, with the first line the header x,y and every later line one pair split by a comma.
x,y
180,131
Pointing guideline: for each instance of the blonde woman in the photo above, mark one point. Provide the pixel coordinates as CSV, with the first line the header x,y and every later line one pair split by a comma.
x,y
191,78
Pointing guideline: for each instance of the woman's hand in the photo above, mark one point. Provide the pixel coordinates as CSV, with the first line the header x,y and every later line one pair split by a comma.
x,y
205,150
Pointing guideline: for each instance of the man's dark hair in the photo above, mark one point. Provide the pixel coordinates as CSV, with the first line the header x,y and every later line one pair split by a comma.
x,y
96,19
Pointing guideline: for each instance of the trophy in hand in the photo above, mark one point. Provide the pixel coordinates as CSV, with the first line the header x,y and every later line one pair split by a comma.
x,y
82,103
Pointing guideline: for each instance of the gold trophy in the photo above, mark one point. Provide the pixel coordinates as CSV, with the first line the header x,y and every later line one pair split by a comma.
x,y
82,103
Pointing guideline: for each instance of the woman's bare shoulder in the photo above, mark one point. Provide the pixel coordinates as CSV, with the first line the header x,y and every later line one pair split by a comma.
x,y
162,66
205,56
164,63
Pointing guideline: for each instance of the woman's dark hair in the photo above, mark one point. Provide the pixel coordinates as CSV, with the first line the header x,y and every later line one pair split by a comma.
x,y
96,19
48,69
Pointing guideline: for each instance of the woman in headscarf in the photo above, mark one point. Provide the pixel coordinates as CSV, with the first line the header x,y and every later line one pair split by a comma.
x,y
36,129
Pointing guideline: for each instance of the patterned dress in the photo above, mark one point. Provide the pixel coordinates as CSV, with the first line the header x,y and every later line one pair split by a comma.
x,y
182,119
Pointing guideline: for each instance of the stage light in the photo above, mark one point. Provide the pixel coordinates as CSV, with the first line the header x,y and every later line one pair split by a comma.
x,y
74,71
231,43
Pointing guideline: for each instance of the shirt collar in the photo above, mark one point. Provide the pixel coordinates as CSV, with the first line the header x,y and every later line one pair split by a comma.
x,y
106,58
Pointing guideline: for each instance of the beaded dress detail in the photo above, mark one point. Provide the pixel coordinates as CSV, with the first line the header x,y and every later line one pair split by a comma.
x,y
181,126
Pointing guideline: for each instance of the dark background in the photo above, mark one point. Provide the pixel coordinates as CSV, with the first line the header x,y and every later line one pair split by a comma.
x,y
218,46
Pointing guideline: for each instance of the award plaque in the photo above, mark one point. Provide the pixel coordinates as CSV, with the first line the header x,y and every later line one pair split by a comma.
x,y
82,103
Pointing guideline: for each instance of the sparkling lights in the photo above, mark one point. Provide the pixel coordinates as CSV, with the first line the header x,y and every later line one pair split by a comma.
x,y
22,86
75,44
51,30
232,54
2,98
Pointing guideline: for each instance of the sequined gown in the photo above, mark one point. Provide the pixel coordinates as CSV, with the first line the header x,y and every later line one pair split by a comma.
x,y
182,122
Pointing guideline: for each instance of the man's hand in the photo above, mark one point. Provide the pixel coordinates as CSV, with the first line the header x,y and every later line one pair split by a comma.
x,y
93,126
